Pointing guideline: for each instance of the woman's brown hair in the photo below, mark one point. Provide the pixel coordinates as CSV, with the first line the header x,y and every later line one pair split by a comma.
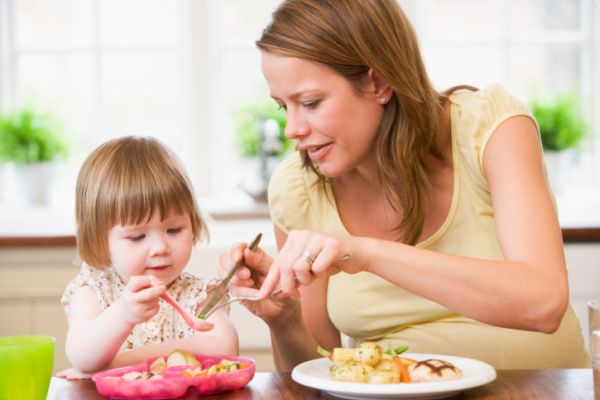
x,y
124,181
351,37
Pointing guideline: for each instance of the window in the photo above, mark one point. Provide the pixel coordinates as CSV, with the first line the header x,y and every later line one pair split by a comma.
x,y
178,70
106,67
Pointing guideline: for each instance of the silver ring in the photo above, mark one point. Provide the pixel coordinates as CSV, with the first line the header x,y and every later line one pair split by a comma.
x,y
308,257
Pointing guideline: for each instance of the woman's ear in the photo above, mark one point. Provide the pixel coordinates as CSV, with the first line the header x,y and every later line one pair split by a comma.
x,y
380,89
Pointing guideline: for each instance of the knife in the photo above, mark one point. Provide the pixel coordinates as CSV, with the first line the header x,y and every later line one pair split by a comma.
x,y
222,288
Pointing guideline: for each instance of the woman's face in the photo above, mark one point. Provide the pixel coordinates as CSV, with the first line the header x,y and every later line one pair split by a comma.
x,y
327,117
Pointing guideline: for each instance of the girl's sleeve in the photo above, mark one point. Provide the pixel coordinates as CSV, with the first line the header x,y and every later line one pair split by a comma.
x,y
84,278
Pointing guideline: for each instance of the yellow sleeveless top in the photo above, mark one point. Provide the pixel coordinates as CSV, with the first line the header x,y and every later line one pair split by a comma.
x,y
367,307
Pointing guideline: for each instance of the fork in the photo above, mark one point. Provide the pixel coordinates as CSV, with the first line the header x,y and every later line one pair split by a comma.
x,y
233,299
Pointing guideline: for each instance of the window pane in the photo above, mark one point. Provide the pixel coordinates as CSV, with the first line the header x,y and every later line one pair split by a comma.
x,y
446,18
63,82
243,81
141,94
472,65
545,69
138,22
40,23
244,22
544,15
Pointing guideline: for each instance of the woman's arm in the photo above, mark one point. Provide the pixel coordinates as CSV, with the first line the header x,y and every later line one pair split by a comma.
x,y
528,290
304,325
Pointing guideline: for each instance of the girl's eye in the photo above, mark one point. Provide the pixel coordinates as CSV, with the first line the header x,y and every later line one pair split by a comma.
x,y
137,238
311,103
174,230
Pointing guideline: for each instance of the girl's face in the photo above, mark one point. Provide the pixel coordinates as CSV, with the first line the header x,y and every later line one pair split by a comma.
x,y
159,248
328,118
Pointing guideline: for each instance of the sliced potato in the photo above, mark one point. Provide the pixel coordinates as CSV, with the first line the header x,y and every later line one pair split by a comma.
x,y
350,372
158,365
191,360
369,353
176,358
379,376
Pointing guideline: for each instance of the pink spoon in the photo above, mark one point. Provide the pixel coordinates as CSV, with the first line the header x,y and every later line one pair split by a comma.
x,y
193,322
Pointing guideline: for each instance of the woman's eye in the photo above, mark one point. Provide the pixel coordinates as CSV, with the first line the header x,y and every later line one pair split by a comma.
x,y
311,103
137,238
282,107
174,230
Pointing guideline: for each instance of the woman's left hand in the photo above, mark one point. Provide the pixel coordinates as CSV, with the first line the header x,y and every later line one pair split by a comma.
x,y
307,255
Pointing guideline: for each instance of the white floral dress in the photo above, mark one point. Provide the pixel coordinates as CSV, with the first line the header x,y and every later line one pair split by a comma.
x,y
188,289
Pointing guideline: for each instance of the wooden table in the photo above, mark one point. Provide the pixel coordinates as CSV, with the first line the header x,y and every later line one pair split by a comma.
x,y
547,384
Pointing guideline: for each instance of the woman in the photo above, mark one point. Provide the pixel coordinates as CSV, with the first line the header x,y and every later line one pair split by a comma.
x,y
407,216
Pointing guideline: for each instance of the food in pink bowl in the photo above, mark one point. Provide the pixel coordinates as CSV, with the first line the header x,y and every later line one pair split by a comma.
x,y
160,378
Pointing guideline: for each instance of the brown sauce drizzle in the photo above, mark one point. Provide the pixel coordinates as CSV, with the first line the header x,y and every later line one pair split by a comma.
x,y
436,366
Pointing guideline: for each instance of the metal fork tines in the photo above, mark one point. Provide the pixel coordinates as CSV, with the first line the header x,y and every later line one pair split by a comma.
x,y
233,299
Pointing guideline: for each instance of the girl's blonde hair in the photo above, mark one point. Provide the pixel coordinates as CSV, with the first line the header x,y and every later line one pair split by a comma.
x,y
351,37
124,181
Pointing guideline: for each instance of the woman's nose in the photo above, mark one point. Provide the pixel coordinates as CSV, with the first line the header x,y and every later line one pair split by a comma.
x,y
296,126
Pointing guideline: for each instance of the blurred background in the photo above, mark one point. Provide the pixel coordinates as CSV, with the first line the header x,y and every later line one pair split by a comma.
x,y
75,73
185,71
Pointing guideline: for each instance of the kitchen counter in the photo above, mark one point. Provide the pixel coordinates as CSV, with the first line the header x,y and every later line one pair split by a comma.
x,y
54,226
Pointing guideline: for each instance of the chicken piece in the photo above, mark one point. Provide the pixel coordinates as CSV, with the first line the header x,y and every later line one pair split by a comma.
x,y
432,370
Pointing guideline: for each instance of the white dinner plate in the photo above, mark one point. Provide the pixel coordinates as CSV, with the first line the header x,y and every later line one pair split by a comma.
x,y
315,374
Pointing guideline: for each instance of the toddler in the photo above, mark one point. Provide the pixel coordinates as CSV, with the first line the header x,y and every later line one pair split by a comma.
x,y
137,222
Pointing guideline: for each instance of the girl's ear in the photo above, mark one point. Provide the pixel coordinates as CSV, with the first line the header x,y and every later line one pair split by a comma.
x,y
380,89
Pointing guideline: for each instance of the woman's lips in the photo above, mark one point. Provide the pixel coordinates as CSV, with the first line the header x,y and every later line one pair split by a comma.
x,y
318,153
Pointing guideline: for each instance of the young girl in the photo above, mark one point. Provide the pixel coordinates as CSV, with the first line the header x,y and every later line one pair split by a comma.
x,y
137,222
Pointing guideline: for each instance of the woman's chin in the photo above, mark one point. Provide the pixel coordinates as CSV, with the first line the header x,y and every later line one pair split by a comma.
x,y
330,171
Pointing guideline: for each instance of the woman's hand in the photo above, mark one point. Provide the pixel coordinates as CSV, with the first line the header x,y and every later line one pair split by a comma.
x,y
248,279
140,298
307,255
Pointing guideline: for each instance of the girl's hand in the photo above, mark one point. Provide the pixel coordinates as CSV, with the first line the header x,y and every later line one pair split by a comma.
x,y
140,298
248,279
73,374
307,255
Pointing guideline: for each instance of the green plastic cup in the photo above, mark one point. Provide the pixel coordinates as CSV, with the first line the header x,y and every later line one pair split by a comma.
x,y
25,367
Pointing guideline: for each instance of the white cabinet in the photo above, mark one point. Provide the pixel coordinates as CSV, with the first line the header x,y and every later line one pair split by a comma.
x,y
33,279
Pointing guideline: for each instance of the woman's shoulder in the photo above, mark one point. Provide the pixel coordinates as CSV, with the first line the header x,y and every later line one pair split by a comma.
x,y
291,191
475,117
490,103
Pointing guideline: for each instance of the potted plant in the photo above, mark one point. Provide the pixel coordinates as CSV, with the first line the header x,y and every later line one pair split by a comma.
x,y
562,128
259,133
34,143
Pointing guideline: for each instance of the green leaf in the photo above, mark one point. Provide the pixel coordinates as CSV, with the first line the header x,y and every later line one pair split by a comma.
x,y
28,136
247,127
561,121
